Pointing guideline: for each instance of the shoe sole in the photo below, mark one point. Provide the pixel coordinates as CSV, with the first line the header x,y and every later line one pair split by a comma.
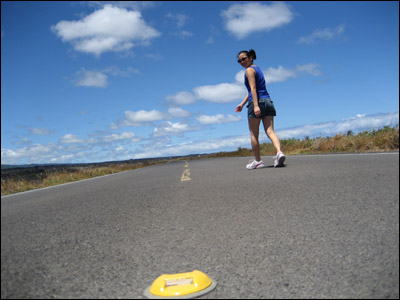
x,y
280,162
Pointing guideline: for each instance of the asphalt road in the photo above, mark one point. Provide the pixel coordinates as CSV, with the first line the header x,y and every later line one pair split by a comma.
x,y
324,226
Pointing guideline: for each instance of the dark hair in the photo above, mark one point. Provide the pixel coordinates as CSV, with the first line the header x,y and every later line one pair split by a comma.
x,y
251,53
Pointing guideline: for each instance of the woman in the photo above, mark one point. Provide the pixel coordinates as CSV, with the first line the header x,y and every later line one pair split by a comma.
x,y
260,107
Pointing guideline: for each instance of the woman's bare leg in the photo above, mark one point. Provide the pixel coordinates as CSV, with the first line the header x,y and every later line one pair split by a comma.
x,y
268,123
254,126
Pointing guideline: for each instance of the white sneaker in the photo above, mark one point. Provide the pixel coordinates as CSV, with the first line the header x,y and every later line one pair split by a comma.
x,y
255,164
279,159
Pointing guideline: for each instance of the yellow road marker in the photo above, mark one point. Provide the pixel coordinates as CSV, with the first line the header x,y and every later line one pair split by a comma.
x,y
186,175
180,286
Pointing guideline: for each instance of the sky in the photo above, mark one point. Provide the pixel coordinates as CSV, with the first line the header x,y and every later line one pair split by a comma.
x,y
97,81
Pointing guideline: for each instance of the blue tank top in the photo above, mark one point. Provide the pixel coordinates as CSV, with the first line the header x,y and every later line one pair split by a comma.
x,y
260,85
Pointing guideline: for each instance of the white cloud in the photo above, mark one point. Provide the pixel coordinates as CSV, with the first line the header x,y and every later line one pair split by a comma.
x,y
62,158
204,146
170,128
182,98
114,126
22,141
108,29
134,5
184,34
278,74
40,131
239,77
120,149
72,149
176,112
311,69
221,93
244,19
99,139
142,116
307,130
179,19
94,78
90,79
281,74
322,34
359,123
119,137
217,119
34,153
70,138
154,56
230,92
365,122
116,71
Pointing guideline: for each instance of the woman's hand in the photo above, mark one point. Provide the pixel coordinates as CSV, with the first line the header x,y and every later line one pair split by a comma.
x,y
257,111
239,108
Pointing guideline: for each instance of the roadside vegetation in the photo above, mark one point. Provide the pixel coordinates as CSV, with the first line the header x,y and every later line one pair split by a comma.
x,y
24,179
30,178
385,139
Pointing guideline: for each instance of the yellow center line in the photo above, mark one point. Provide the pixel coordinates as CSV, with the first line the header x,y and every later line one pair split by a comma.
x,y
186,173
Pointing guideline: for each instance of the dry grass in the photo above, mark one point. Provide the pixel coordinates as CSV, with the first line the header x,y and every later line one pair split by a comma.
x,y
39,177
386,139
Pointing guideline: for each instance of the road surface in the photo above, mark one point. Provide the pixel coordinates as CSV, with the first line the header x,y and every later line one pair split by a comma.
x,y
324,226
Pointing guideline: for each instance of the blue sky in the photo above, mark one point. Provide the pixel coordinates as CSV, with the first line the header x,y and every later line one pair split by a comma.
x,y
100,81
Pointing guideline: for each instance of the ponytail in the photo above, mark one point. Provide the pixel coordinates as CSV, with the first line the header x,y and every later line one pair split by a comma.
x,y
252,54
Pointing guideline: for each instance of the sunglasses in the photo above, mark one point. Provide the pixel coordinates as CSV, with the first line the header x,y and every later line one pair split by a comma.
x,y
242,60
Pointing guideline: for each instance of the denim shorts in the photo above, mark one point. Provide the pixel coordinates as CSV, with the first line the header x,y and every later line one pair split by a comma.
x,y
266,106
